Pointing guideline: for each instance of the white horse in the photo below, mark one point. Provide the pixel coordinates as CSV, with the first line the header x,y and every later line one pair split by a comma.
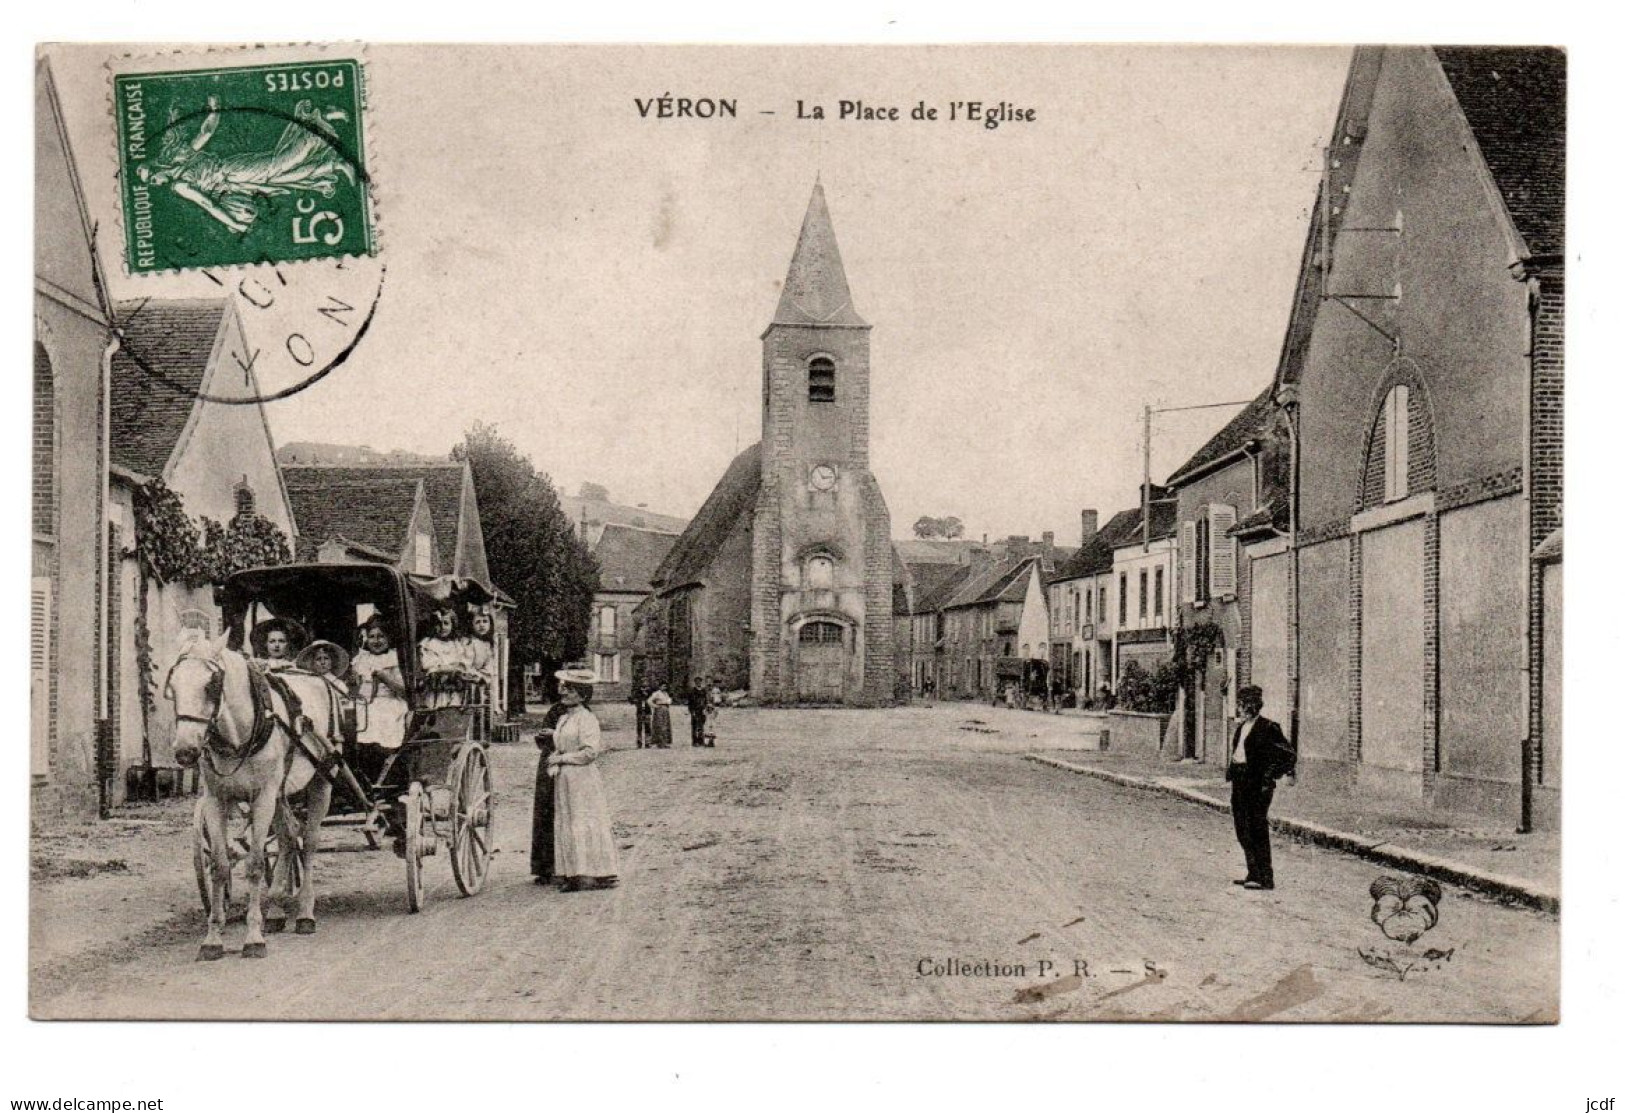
x,y
242,732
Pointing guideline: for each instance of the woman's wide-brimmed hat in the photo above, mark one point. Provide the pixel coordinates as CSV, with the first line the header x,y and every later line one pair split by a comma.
x,y
578,677
307,658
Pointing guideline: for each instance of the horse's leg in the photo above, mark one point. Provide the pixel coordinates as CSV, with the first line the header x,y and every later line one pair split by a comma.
x,y
259,828
317,799
281,888
214,822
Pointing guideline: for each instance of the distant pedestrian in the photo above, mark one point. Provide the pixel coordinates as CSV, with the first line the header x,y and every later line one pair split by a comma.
x,y
1260,755
713,711
659,705
698,694
640,711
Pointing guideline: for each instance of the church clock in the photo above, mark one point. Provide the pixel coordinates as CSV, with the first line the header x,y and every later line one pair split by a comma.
x,y
823,477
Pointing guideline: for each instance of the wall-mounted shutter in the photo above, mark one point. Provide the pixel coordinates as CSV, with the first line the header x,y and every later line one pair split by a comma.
x,y
1222,549
39,671
1187,562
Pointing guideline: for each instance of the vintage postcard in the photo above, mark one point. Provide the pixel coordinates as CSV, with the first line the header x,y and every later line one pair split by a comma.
x,y
955,533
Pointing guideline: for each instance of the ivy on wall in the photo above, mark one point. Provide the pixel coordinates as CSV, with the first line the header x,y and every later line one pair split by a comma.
x,y
171,548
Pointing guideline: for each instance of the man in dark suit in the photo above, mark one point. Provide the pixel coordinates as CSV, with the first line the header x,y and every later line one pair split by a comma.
x,y
1260,755
697,694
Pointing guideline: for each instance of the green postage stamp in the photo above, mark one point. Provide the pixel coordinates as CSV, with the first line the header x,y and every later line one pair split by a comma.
x,y
242,165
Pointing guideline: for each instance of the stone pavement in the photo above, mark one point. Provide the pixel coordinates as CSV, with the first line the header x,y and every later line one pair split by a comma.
x,y
1476,851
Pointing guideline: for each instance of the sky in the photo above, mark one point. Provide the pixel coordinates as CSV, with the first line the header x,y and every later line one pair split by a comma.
x,y
595,282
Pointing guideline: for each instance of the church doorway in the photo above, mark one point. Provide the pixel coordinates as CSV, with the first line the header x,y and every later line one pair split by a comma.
x,y
821,654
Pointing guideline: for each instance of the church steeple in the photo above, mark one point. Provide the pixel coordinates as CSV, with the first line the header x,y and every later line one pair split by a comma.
x,y
815,290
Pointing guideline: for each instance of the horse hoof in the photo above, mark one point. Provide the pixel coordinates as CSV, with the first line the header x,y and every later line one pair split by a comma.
x,y
304,926
253,950
275,925
210,951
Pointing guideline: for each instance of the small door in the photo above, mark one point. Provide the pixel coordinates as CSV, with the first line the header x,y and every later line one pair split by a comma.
x,y
821,663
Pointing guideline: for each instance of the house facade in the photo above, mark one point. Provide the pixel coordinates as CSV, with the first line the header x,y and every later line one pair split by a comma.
x,y
999,614
217,457
1220,485
1428,401
627,559
1141,589
69,646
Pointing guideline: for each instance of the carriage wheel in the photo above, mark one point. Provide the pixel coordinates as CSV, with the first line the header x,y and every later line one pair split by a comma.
x,y
415,813
473,821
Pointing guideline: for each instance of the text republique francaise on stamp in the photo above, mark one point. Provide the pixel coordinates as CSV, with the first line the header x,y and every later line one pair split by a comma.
x,y
242,165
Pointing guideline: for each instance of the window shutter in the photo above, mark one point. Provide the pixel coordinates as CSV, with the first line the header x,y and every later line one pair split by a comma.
x,y
1222,549
1187,562
39,670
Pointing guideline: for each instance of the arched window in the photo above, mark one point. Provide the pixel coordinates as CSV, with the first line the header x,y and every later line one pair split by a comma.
x,y
821,379
44,444
820,633
821,573
1396,458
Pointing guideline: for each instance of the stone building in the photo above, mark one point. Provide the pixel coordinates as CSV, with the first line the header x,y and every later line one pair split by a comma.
x,y
786,581
1428,385
69,646
627,559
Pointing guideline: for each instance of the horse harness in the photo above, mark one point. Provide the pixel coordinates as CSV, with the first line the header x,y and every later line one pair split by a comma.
x,y
261,684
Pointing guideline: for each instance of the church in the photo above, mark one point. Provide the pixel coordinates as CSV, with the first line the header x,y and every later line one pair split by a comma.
x,y
786,581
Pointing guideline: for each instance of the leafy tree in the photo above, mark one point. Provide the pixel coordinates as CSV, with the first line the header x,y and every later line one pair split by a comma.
x,y
594,491
533,552
947,529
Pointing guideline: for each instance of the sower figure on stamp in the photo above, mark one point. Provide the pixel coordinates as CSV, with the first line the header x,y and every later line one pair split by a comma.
x,y
1260,755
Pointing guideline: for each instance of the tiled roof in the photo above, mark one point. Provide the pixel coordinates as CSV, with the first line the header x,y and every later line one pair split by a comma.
x,y
628,557
935,584
1240,429
375,511
1515,100
917,551
154,390
1003,581
442,486
735,494
1096,557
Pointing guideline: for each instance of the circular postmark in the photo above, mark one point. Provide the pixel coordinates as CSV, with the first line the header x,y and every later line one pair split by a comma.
x,y
247,227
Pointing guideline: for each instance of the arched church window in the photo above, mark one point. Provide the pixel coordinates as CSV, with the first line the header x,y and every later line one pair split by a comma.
x,y
821,379
1396,462
821,573
820,633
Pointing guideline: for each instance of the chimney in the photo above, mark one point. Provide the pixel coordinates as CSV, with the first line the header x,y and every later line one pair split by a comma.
x,y
1049,539
1091,526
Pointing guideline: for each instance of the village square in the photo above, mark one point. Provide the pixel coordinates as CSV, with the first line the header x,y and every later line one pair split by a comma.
x,y
845,763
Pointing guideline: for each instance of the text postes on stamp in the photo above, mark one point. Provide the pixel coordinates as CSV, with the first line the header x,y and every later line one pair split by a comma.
x,y
242,165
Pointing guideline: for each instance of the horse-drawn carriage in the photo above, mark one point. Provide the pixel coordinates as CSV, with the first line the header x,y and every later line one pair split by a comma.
x,y
428,786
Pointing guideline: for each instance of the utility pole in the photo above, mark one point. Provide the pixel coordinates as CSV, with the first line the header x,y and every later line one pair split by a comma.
x,y
1145,485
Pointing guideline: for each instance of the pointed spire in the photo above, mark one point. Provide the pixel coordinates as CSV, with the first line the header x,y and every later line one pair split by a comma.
x,y
815,290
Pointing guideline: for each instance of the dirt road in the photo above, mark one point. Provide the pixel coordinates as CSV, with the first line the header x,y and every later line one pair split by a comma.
x,y
887,865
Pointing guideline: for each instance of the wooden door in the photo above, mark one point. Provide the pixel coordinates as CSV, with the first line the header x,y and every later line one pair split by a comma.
x,y
821,663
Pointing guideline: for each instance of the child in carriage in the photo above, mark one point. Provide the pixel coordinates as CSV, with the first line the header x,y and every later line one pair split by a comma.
x,y
378,676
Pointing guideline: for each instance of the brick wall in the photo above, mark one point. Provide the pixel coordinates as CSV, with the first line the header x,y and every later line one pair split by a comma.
x,y
1546,416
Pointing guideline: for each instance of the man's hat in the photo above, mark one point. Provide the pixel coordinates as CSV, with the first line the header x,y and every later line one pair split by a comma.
x,y
1252,693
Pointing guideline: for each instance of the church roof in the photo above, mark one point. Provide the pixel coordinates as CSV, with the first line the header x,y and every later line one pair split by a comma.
x,y
735,494
815,290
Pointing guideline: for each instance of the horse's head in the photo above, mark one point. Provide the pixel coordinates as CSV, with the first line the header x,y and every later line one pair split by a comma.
x,y
195,688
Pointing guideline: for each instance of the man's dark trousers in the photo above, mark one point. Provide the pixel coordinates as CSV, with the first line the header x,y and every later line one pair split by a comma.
x,y
1250,796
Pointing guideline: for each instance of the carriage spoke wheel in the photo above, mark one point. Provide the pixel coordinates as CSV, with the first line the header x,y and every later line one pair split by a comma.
x,y
415,816
473,821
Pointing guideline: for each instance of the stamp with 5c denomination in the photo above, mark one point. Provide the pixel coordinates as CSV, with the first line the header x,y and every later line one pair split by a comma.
x,y
242,164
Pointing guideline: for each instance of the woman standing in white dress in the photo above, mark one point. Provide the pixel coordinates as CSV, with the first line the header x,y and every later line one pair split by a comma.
x,y
583,839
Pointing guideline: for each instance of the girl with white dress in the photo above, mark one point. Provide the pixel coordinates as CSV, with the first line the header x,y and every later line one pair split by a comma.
x,y
377,670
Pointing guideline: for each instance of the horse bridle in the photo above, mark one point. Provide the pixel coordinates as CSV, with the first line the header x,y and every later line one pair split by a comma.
x,y
213,737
